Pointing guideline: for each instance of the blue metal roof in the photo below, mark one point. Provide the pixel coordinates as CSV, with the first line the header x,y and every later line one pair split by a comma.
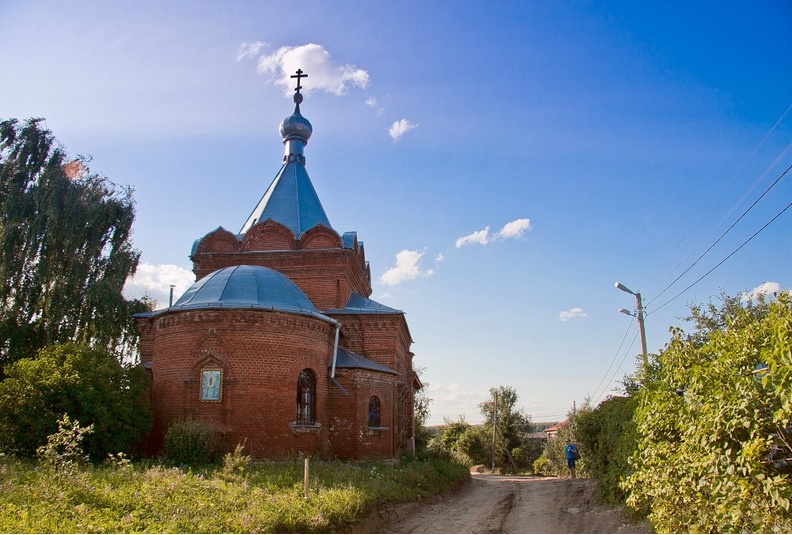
x,y
348,359
357,304
291,200
246,287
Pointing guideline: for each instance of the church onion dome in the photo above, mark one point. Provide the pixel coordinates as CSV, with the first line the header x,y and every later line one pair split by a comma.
x,y
247,287
296,126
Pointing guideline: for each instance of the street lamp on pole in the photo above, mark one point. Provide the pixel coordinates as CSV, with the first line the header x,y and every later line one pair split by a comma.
x,y
639,315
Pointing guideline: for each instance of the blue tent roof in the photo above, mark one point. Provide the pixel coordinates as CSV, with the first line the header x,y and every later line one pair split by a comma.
x,y
246,287
291,200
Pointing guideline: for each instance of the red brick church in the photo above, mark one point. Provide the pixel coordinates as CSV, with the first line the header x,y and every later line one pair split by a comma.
x,y
278,344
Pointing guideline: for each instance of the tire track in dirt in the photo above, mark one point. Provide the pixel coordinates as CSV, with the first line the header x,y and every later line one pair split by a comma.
x,y
502,504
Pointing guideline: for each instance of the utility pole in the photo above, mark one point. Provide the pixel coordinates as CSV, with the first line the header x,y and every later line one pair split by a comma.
x,y
639,315
494,426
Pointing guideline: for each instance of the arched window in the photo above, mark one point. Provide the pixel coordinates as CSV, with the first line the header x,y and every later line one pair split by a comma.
x,y
306,398
374,412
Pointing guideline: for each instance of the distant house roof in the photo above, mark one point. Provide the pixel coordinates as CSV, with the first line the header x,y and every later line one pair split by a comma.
x,y
551,431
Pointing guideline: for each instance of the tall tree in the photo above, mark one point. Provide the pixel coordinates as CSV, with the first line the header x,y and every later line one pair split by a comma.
x,y
65,248
512,425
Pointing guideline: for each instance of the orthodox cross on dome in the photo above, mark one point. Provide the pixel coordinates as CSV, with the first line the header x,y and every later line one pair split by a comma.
x,y
299,75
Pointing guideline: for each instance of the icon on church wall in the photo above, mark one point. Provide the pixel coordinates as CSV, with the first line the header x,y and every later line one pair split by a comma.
x,y
211,385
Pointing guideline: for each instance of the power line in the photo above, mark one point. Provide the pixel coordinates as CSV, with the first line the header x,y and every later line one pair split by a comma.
x,y
615,356
619,368
766,191
743,244
737,172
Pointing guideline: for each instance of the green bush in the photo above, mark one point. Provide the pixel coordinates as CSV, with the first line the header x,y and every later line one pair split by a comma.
x,y
713,424
555,448
541,465
607,434
236,463
63,450
90,385
191,442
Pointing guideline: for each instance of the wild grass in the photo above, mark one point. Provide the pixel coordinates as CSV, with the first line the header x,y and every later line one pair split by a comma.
x,y
259,497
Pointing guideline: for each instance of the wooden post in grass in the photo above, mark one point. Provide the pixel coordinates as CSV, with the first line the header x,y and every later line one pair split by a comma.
x,y
305,478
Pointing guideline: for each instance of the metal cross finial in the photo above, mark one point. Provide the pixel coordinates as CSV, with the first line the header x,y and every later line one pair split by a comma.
x,y
299,75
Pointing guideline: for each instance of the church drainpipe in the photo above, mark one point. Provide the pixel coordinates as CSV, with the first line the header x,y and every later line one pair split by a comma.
x,y
335,350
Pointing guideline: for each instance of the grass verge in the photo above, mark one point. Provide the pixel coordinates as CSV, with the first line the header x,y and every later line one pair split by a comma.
x,y
266,497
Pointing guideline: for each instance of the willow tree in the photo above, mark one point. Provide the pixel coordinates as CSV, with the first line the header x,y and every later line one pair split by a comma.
x,y
65,248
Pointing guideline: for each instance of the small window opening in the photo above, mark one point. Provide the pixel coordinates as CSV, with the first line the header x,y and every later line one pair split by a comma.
x,y
374,412
306,398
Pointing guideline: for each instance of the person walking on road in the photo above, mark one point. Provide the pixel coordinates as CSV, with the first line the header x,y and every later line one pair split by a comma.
x,y
572,455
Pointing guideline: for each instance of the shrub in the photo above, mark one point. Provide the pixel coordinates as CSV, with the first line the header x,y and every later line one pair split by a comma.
x,y
713,424
63,450
555,450
541,465
235,463
607,434
190,442
90,385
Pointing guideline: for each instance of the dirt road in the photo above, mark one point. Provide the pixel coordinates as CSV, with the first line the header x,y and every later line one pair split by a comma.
x,y
502,504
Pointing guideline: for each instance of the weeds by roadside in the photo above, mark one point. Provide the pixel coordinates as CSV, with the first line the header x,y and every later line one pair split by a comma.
x,y
240,496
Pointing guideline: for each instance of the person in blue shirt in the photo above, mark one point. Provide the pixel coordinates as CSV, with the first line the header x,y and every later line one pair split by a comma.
x,y
571,457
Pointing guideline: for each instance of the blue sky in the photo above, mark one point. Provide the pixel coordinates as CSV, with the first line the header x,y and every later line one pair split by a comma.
x,y
504,163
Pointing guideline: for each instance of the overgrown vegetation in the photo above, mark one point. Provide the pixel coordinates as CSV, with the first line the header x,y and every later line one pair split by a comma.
x,y
714,451
421,403
89,385
191,442
607,435
258,497
553,460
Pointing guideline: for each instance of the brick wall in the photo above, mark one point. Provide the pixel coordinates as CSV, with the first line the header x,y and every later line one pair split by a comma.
x,y
351,437
318,263
261,354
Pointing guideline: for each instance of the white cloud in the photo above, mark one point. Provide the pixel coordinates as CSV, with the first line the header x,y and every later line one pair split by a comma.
x,y
250,50
154,281
399,128
766,288
576,312
406,269
315,62
439,258
371,102
511,230
481,237
514,229
452,401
